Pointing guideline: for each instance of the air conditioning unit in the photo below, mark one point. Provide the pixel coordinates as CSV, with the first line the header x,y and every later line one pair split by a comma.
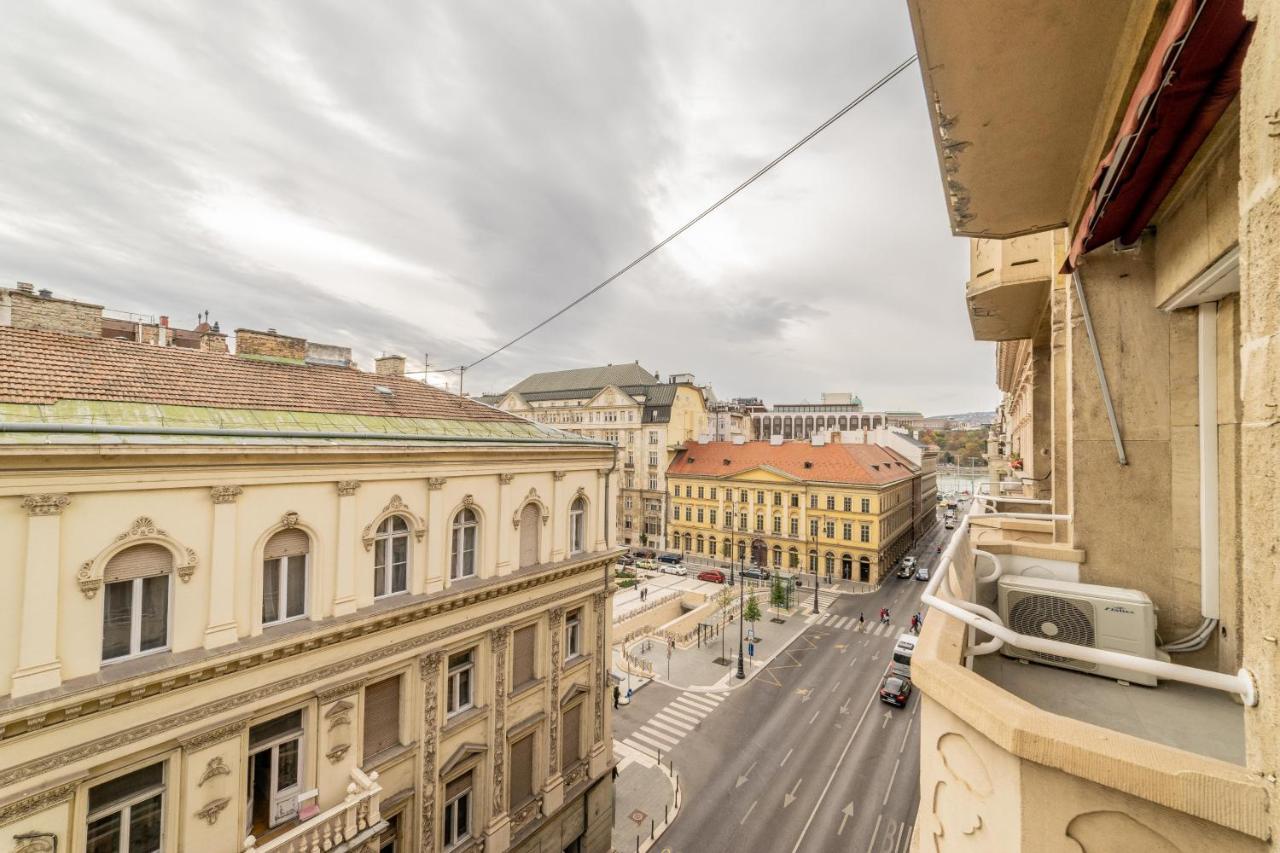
x,y
1100,617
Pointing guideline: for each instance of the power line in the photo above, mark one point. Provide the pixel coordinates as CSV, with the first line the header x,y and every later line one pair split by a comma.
x,y
871,90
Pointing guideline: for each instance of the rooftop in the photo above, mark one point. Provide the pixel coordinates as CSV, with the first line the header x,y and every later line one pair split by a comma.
x,y
585,379
855,464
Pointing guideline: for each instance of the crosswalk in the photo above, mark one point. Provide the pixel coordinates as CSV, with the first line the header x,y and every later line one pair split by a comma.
x,y
665,729
873,627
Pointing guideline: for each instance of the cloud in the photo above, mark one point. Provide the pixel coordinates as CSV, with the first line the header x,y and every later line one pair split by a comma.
x,y
439,177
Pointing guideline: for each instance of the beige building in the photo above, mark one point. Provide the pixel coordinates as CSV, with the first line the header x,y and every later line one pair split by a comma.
x,y
627,406
260,603
1119,168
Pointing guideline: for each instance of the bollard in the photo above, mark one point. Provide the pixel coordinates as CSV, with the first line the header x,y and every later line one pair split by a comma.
x,y
666,814
637,844
651,829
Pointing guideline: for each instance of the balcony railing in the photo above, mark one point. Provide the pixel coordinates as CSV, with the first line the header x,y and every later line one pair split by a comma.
x,y
340,828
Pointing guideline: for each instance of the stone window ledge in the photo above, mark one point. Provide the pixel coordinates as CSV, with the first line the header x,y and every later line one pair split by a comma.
x,y
463,719
526,689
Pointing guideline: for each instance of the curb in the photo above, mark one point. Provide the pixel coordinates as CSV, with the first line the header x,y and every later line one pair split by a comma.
x,y
677,799
757,665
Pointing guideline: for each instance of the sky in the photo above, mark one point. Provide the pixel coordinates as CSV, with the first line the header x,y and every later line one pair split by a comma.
x,y
432,179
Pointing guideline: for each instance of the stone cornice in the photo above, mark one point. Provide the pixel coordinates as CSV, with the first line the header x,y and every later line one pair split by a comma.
x,y
43,716
215,735
18,809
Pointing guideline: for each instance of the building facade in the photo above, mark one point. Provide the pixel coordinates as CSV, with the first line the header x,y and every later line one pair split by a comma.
x,y
262,605
837,411
844,511
1127,269
627,406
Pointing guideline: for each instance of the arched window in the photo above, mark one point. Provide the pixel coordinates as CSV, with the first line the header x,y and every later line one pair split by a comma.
x,y
577,526
711,546
829,562
864,568
688,542
701,543
284,576
846,568
777,556
531,534
793,559
742,550
813,562
462,557
135,612
844,422
391,557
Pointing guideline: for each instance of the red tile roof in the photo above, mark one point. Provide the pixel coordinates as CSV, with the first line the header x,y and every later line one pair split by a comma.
x,y
856,464
44,367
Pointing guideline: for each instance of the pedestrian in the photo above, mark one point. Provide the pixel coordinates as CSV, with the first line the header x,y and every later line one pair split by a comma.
x,y
617,693
861,619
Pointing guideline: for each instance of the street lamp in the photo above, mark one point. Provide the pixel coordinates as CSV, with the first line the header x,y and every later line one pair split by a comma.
x,y
741,611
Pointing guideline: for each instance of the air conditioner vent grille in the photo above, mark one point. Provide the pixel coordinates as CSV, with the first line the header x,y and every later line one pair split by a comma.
x,y
1053,618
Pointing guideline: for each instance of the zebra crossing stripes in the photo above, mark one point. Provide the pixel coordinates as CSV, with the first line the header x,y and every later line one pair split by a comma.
x,y
849,623
666,728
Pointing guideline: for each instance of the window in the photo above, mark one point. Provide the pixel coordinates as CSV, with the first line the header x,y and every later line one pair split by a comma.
x,y
135,611
712,518
274,772
847,531
742,522
577,526
813,501
777,557
831,501
391,557
829,530
651,527
742,550
688,513
573,634
653,436
457,811
381,717
777,524
461,682
699,492
675,490
713,493
760,524
777,498
571,736
688,491
653,484
829,562
700,544
126,814
700,514
462,560
865,534
284,576
795,501
626,502
866,504
675,511
688,543
813,561
742,495
728,520
813,527
521,786
524,654
793,559
711,546
795,526
759,497
653,460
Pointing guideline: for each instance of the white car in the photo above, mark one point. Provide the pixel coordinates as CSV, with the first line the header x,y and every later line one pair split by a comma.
x,y
908,562
673,569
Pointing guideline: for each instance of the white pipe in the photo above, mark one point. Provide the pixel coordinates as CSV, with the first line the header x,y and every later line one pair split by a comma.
x,y
1207,316
1078,280
1242,683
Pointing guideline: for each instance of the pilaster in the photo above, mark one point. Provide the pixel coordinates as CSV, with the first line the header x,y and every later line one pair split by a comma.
x,y
498,832
344,592
437,536
558,545
221,628
38,665
429,670
500,530
553,789
601,535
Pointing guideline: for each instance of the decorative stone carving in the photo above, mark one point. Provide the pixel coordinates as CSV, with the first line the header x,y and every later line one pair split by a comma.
x,y
216,767
37,843
468,501
429,668
505,479
597,616
209,814
16,811
575,774
45,504
395,506
434,484
580,493
557,475
1100,831
347,488
143,530
335,755
498,645
199,741
289,519
225,494
553,726
337,691
526,814
532,497
960,798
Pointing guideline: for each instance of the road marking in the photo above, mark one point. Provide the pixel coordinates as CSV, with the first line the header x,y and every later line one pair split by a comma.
x,y
876,656
888,715
658,736
892,776
699,701
746,777
663,727
844,709
909,829
789,798
874,833
848,745
898,840
643,750
748,814
905,735
855,660
652,743
847,811
805,693
681,714
673,723
696,711
785,757
815,716
835,687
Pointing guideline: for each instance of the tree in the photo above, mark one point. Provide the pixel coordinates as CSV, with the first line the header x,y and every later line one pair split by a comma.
x,y
751,612
777,595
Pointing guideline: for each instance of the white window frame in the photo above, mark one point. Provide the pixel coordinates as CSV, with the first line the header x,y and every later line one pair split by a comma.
x,y
573,634
126,805
450,824
458,569
383,545
454,703
578,525
282,566
135,619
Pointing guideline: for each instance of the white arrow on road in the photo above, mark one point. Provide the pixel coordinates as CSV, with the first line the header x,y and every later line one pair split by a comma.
x,y
847,811
745,777
807,691
789,798
844,709
887,717
876,656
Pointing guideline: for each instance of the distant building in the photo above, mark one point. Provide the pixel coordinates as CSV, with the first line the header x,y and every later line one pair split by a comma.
x,y
838,411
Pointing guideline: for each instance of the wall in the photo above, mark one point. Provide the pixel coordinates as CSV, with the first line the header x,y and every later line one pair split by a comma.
x,y
28,311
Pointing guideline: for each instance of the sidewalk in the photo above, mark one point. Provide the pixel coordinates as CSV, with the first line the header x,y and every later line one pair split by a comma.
x,y
644,800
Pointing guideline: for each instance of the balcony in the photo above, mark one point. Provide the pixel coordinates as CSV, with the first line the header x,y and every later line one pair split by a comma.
x,y
1023,756
346,826
1008,287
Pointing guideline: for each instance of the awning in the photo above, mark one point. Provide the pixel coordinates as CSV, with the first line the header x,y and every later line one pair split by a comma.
x,y
1191,78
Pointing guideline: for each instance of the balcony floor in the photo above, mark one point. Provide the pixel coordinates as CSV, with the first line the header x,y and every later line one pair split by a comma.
x,y
1199,720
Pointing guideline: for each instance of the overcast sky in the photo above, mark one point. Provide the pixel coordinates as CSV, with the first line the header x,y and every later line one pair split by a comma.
x,y
436,177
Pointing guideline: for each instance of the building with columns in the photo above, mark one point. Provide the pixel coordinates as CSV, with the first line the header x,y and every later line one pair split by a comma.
x,y
260,603
837,411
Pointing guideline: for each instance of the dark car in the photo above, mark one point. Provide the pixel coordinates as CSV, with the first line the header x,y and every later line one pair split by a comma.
x,y
712,575
895,690
673,559
759,573
643,553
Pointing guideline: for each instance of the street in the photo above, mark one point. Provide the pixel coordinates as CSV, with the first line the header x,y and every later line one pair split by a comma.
x,y
804,756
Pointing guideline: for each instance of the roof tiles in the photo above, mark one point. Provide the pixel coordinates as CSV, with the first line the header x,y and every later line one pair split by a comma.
x,y
856,464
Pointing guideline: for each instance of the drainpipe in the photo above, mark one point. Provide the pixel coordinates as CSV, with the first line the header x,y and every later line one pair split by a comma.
x,y
1078,280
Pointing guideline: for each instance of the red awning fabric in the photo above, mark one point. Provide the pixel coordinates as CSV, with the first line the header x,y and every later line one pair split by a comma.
x,y
1191,78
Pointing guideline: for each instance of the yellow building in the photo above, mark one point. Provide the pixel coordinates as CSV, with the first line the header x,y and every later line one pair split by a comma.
x,y
258,602
844,510
1117,168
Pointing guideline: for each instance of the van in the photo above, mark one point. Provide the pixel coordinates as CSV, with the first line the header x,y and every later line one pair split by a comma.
x,y
903,649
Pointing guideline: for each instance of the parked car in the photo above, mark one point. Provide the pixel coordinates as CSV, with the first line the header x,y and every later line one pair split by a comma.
x,y
672,569
759,573
648,565
895,690
673,559
905,571
951,524
909,562
711,575
643,553
626,560
922,572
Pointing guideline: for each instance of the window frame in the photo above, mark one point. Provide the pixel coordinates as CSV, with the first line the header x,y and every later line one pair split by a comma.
x,y
453,704
457,555
282,566
384,547
135,620
449,823
573,634
578,525
126,805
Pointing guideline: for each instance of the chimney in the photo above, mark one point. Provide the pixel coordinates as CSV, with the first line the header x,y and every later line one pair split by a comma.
x,y
24,287
213,341
270,346
22,308
389,365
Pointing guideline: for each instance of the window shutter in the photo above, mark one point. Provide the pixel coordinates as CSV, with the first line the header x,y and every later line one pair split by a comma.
x,y
457,786
521,790
140,561
381,716
571,737
524,648
287,543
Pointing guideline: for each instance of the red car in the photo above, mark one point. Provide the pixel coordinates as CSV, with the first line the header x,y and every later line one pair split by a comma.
x,y
712,575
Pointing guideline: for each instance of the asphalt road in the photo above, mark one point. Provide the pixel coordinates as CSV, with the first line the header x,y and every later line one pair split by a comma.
x,y
804,756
